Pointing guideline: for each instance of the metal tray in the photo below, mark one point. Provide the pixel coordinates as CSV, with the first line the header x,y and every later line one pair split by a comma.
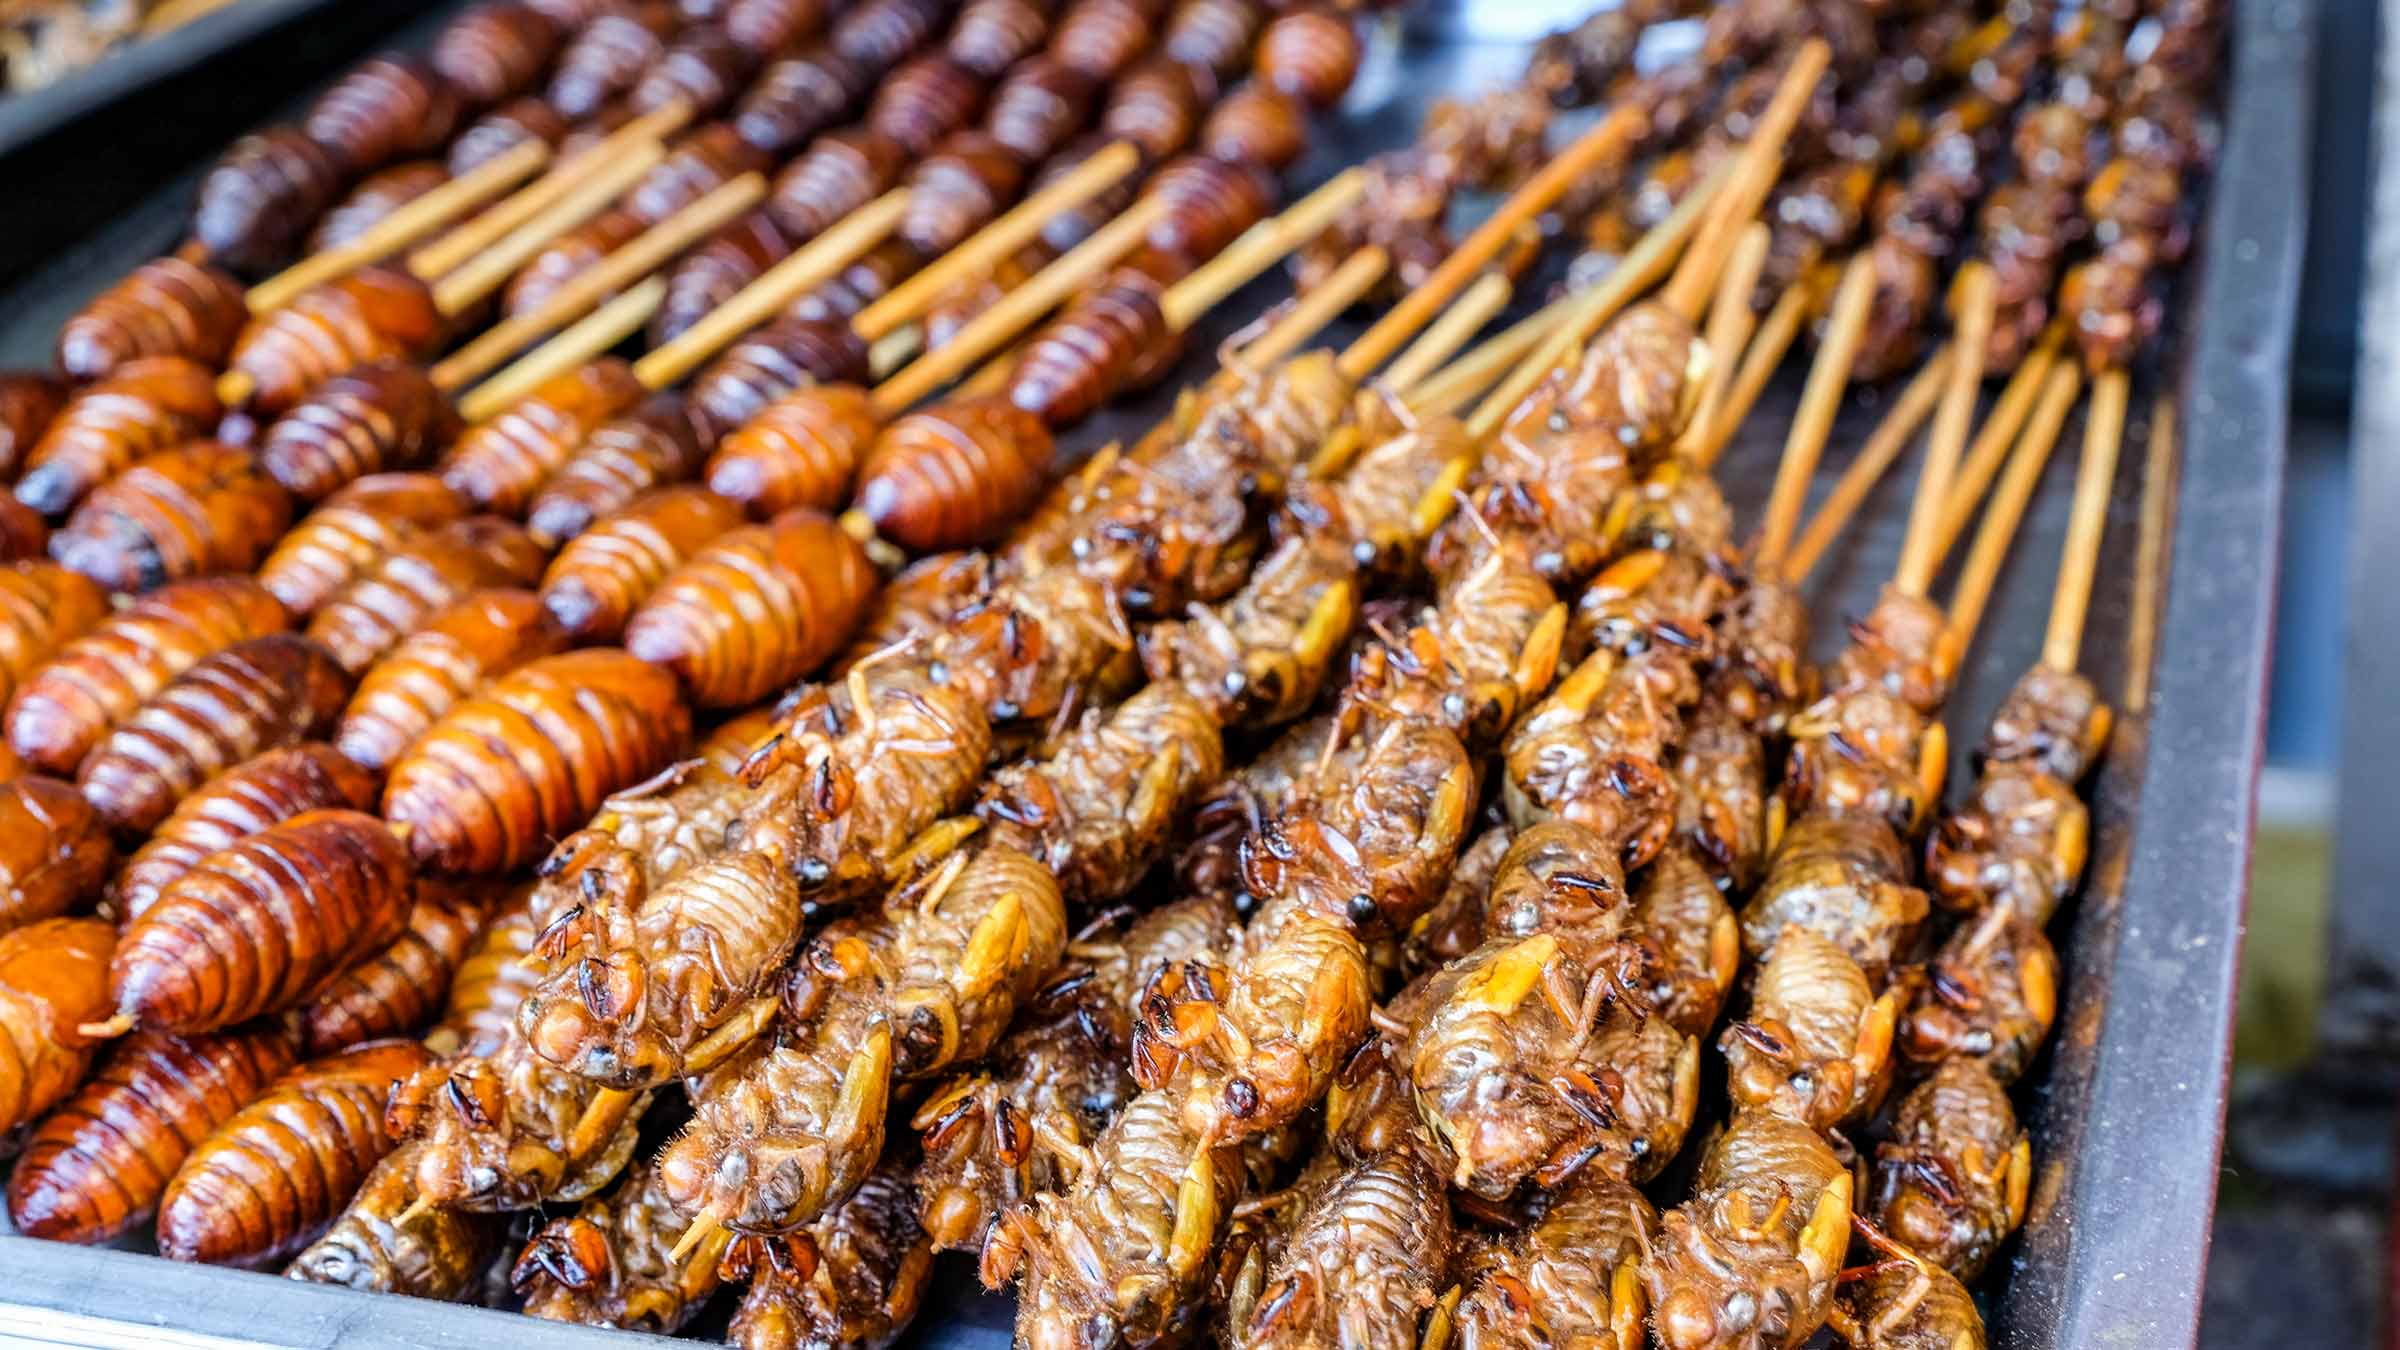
x,y
2126,1111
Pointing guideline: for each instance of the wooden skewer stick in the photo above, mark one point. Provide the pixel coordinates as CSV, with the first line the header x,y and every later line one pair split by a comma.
x,y
1038,296
411,222
2150,556
1759,360
595,333
1448,333
1982,567
1473,254
1899,426
639,257
1644,264
488,271
1759,159
1820,399
1953,420
1729,325
1258,247
1992,440
1473,373
997,241
452,250
2095,480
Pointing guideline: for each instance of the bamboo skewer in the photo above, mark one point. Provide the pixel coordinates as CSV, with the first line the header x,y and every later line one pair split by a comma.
x,y
1759,160
452,250
1953,421
1892,435
644,254
1729,323
1237,262
411,222
1767,345
2025,464
1820,399
2103,437
490,269
589,336
1990,447
1447,334
1471,374
2151,554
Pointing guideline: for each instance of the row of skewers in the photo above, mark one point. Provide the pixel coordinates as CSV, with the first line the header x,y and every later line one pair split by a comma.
x,y
1119,1114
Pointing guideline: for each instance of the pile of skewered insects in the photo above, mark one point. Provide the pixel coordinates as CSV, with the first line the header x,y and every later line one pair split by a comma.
x,y
1289,878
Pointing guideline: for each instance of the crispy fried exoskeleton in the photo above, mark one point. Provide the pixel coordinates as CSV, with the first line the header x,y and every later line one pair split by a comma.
x,y
199,508
1590,753
1573,1278
263,924
505,1129
53,980
459,650
1816,1043
756,609
139,409
386,1243
973,940
609,1264
95,1167
54,850
1454,926
1697,944
1064,1066
850,1281
501,774
1864,751
97,680
256,695
798,1125
392,596
1845,879
398,990
268,1180
165,307
1905,647
1990,994
1365,1263
1750,1259
1953,1178
2018,842
687,814
501,463
351,531
260,791
1904,1302
606,572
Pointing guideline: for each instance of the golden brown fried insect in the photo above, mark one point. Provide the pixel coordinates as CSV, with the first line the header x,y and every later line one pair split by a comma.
x,y
528,759
698,165
792,353
607,55
800,450
616,1262
262,195
28,403
264,924
567,257
524,121
97,680
842,171
989,36
1157,106
756,609
397,593
1590,753
505,1130
1990,994
495,51
457,651
199,508
383,416
924,100
165,307
1573,1278
386,1243
54,850
1102,37
373,314
255,695
399,989
1953,1178
267,1181
261,791
1816,1043
383,109
1089,352
53,979
1845,879
374,199
656,444
1751,1258
95,1167
1698,944
703,67
1209,203
718,269
949,477
1311,54
852,1279
42,606
1365,1263
491,979
968,179
140,408
500,464
1904,1302
353,529
1256,125
975,938
606,572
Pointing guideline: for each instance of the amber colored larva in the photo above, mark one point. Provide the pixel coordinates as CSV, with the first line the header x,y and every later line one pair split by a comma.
x,y
53,980
262,924
399,989
95,1167
602,574
200,508
252,696
459,649
380,417
54,850
263,1185
252,795
140,408
165,307
373,314
658,443
529,759
350,531
500,464
757,609
948,476
42,606
801,450
398,592
95,681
